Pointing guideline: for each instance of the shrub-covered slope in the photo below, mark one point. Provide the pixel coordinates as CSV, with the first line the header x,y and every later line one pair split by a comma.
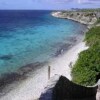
x,y
86,71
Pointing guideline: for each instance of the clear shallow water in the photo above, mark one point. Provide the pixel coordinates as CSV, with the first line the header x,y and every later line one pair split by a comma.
x,y
31,36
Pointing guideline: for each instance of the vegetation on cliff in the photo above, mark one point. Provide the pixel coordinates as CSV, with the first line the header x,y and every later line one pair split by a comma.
x,y
88,18
87,68
98,21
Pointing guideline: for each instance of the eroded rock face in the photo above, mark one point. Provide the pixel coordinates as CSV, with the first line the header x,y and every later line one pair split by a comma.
x,y
82,17
67,90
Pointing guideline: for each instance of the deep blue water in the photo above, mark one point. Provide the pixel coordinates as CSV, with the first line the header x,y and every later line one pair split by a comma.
x,y
32,36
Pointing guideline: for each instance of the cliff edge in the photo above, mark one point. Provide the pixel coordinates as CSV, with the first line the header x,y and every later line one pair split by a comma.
x,y
87,18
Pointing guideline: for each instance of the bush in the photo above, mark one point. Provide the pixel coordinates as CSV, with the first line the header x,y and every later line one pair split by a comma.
x,y
98,21
87,66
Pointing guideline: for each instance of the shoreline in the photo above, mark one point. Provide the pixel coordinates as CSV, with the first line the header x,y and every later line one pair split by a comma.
x,y
24,72
7,79
59,14
32,87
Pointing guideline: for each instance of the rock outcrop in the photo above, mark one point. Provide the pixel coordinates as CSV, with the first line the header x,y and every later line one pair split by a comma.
x,y
87,18
64,89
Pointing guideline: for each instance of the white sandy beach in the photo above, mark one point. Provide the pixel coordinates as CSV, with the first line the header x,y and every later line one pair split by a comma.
x,y
31,88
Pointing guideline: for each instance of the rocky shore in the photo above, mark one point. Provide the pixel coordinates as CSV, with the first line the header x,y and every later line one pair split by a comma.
x,y
82,17
87,18
32,88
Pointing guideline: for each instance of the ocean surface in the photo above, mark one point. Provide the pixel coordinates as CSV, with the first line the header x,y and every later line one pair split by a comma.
x,y
33,36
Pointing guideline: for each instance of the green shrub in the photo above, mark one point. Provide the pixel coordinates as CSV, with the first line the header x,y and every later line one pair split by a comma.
x,y
87,66
98,21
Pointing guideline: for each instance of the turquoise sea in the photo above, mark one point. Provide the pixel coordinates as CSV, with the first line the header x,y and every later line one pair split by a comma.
x,y
33,36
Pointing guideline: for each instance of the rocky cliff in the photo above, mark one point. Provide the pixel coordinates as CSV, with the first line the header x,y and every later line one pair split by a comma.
x,y
87,18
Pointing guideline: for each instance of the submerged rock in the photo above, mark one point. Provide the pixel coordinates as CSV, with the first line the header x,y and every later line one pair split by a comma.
x,y
29,68
62,49
21,74
6,57
9,78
